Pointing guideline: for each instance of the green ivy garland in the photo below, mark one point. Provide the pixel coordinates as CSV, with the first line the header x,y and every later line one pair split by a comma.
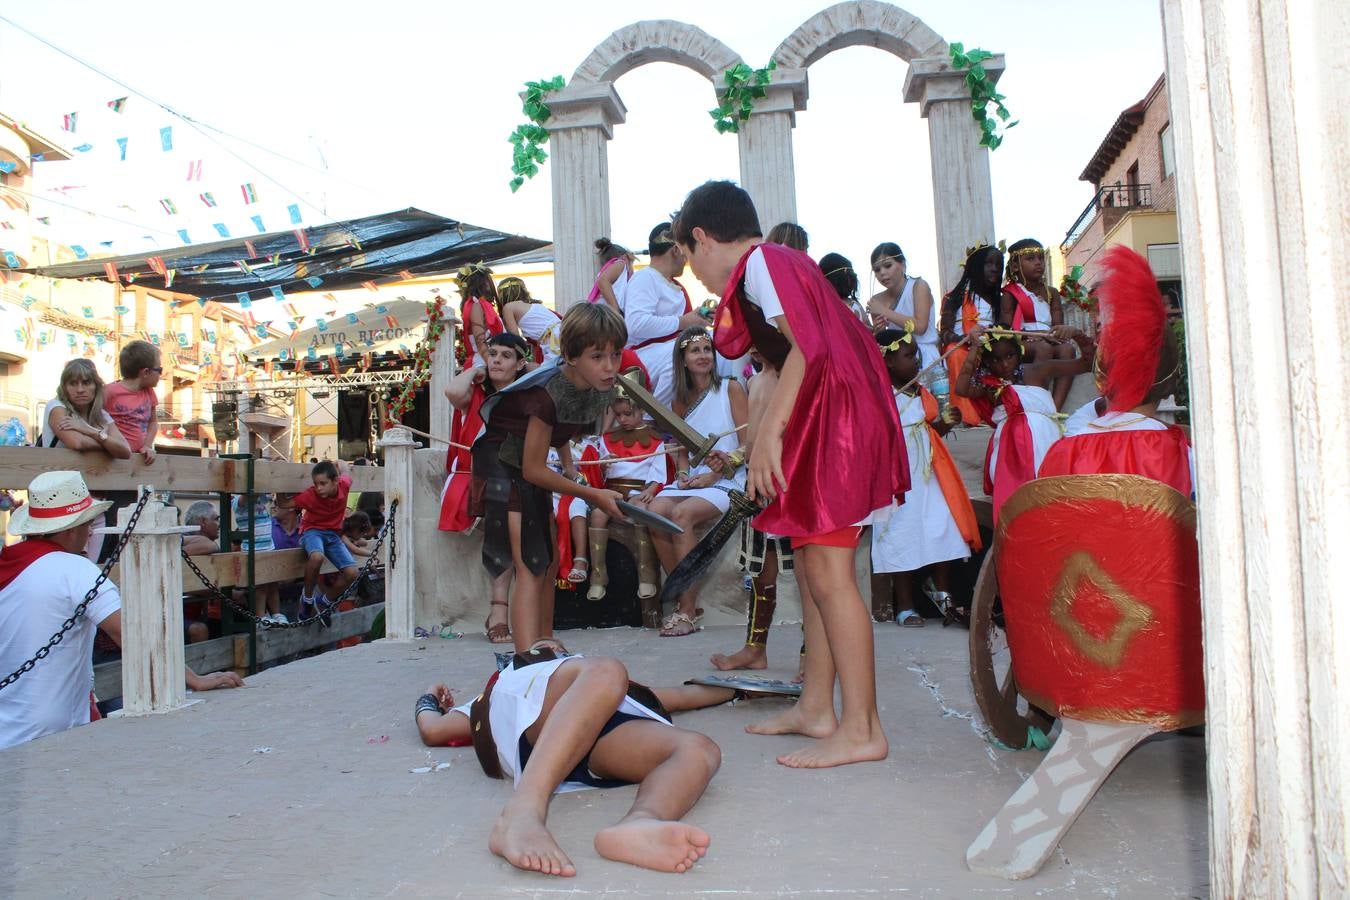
x,y
421,370
528,139
1071,289
982,93
744,86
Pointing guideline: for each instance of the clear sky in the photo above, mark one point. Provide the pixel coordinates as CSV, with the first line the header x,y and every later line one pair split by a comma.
x,y
409,103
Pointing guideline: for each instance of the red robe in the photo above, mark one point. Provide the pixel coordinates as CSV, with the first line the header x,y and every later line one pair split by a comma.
x,y
843,454
1161,455
491,320
465,428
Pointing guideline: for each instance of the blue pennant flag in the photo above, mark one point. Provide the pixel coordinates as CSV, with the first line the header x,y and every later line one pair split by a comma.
x,y
278,293
221,229
182,234
352,318
11,259
294,210
80,252
258,224
311,353
244,301
323,326
166,138
314,281
122,149
84,148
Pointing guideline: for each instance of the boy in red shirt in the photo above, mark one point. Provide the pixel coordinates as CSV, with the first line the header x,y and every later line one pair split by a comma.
x,y
131,402
829,422
325,508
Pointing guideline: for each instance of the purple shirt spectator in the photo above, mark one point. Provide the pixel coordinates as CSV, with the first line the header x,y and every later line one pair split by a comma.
x,y
283,539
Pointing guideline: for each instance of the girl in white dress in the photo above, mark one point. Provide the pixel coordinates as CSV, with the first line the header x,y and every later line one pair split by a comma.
x,y
530,318
1011,394
711,405
923,534
616,268
906,302
967,307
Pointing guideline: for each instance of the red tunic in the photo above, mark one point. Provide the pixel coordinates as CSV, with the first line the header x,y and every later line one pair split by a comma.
x,y
843,454
465,428
1161,455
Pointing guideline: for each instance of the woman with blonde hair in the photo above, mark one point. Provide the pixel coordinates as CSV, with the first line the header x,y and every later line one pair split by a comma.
x,y
76,419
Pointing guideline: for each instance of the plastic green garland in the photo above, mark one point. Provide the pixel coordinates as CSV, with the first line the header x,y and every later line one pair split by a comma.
x,y
744,86
421,370
982,93
528,139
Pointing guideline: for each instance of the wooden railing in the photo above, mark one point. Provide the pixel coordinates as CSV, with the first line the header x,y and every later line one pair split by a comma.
x,y
152,578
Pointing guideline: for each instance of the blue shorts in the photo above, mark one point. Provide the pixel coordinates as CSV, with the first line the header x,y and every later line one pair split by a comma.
x,y
329,543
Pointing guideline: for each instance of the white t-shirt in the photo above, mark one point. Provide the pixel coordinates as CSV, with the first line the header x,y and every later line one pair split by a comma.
x,y
759,287
54,694
50,438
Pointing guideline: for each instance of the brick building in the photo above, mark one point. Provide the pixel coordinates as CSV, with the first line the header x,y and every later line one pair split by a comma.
x,y
1133,174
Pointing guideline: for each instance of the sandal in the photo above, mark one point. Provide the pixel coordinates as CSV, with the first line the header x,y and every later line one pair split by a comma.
x,y
908,618
580,570
677,624
501,632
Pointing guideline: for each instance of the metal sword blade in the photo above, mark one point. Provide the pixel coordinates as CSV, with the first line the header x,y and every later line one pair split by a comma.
x,y
690,570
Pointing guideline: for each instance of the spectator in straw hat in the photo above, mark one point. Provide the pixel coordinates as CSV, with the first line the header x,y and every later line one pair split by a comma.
x,y
42,580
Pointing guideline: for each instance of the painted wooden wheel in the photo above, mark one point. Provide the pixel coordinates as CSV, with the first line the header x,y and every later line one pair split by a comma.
x,y
1005,711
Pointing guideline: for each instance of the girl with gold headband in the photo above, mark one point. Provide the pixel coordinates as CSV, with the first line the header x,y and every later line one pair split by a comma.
x,y
478,310
905,302
967,307
1029,304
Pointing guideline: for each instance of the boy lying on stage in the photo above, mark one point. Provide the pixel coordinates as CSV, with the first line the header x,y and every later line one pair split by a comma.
x,y
562,723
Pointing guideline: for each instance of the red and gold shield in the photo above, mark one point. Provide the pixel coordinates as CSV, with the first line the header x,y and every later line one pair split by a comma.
x,y
1100,580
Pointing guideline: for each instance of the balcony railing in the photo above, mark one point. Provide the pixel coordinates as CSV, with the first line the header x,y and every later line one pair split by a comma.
x,y
1116,196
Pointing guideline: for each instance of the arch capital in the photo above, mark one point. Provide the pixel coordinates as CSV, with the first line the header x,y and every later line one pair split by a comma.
x,y
933,80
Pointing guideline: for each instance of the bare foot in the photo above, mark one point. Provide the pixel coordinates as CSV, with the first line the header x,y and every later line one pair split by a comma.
x,y
745,658
839,749
520,838
795,720
653,844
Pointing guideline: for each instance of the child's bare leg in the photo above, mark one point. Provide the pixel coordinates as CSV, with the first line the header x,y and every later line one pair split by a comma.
x,y
904,591
813,714
528,596
1064,383
673,768
582,695
848,631
312,567
341,582
689,514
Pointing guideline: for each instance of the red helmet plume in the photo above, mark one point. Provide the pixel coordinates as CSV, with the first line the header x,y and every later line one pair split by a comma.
x,y
1133,320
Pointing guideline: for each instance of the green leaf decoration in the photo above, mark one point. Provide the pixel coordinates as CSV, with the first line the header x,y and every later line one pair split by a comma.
x,y
982,93
527,153
736,101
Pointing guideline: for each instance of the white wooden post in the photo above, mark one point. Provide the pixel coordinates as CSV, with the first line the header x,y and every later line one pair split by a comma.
x,y
1258,101
442,370
400,596
153,671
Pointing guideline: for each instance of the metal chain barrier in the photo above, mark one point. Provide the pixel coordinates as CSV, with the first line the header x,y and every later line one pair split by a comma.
x,y
88,598
322,616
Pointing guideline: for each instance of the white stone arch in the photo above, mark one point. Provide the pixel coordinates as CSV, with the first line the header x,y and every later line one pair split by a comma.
x,y
962,196
660,40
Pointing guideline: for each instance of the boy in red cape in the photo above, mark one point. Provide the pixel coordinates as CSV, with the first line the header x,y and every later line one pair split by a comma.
x,y
843,463
1138,367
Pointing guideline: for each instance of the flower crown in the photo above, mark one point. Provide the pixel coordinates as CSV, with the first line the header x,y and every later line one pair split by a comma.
x,y
468,271
982,245
906,338
701,336
999,333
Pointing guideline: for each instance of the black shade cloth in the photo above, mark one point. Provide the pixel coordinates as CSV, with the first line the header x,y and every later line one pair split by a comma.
x,y
345,255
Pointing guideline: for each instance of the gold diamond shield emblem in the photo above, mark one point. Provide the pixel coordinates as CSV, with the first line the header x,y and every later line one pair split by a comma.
x,y
1108,651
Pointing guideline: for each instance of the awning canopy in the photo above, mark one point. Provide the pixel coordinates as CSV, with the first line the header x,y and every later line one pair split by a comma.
x,y
379,249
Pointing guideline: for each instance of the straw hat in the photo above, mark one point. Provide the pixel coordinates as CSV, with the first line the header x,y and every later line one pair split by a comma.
x,y
56,501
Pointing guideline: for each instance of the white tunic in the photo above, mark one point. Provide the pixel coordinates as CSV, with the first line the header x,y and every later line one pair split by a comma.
x,y
922,530
1039,306
518,698
653,305
648,471
983,311
1041,419
712,415
542,325
928,340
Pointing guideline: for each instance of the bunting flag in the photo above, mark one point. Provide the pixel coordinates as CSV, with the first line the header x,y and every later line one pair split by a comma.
x,y
166,138
293,326
323,326
68,122
208,199
88,312
261,329
275,259
182,339
244,267
311,354
250,196
258,224
222,230
278,293
290,308
340,350
182,234
391,321
169,206
11,259
353,318
38,157
267,366
301,238
121,310
156,264
122,149
405,275
252,251
313,281
45,220
84,148
301,269
334,366
243,298
110,270
117,105
249,321
195,170
294,210
168,282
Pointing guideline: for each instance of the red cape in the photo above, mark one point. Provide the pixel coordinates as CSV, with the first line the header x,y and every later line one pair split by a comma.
x,y
465,428
1161,455
843,454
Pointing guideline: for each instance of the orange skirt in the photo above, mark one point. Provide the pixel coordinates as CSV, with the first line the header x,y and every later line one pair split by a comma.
x,y
963,405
